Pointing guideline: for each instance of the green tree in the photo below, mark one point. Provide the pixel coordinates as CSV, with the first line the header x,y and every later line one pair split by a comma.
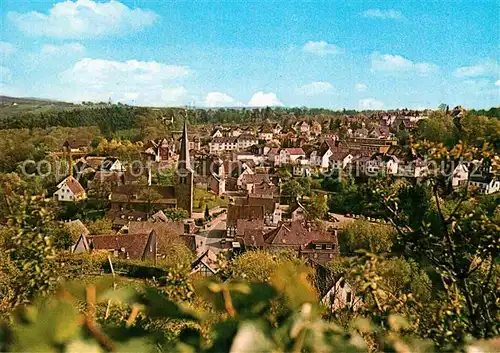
x,y
150,196
291,190
176,214
365,235
31,248
317,207
457,241
207,212
101,226
439,127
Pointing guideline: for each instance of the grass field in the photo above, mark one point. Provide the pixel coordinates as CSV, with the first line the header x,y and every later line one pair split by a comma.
x,y
10,106
203,197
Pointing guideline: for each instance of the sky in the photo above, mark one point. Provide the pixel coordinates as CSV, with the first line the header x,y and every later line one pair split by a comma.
x,y
334,54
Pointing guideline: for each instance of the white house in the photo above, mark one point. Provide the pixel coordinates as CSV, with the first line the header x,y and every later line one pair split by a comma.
x,y
301,167
245,141
341,295
413,169
70,190
488,184
299,213
266,133
339,160
223,144
302,127
290,155
460,175
216,133
112,164
321,159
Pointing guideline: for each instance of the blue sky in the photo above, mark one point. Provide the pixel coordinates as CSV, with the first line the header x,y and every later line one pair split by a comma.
x,y
334,54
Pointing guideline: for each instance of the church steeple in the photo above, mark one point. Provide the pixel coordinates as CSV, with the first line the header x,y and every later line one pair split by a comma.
x,y
184,160
184,175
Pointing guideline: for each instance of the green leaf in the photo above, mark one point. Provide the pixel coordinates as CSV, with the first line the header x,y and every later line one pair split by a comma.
x,y
158,306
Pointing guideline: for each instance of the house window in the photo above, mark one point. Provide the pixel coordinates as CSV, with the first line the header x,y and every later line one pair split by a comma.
x,y
348,297
183,180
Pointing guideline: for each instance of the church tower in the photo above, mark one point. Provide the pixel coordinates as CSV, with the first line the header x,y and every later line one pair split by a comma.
x,y
184,176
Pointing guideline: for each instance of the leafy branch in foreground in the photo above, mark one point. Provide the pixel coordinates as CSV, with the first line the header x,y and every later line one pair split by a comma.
x,y
456,238
100,317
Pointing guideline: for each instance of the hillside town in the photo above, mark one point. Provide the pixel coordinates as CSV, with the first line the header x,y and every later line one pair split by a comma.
x,y
247,169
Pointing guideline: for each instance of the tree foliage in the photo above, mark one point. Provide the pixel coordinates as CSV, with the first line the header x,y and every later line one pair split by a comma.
x,y
365,235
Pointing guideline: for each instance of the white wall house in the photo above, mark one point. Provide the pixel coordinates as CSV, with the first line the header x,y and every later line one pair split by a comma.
x,y
112,165
487,185
460,175
320,160
70,190
341,295
223,144
245,141
339,160
301,167
290,155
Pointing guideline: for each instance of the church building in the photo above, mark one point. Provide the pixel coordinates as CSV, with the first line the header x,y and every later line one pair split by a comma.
x,y
184,176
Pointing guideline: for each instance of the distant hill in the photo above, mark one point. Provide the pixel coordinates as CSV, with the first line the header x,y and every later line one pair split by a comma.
x,y
16,105
4,100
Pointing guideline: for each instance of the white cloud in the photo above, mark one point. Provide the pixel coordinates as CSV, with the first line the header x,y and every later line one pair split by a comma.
x,y
141,81
63,49
315,88
497,83
488,68
395,64
477,87
383,14
321,48
360,87
5,74
83,19
173,95
220,99
261,99
370,104
6,49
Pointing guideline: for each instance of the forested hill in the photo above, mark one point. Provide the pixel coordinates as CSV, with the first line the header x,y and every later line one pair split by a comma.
x,y
16,113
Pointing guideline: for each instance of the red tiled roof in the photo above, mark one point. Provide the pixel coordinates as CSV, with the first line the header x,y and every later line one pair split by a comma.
x,y
253,237
75,186
243,225
295,151
235,212
296,234
133,244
